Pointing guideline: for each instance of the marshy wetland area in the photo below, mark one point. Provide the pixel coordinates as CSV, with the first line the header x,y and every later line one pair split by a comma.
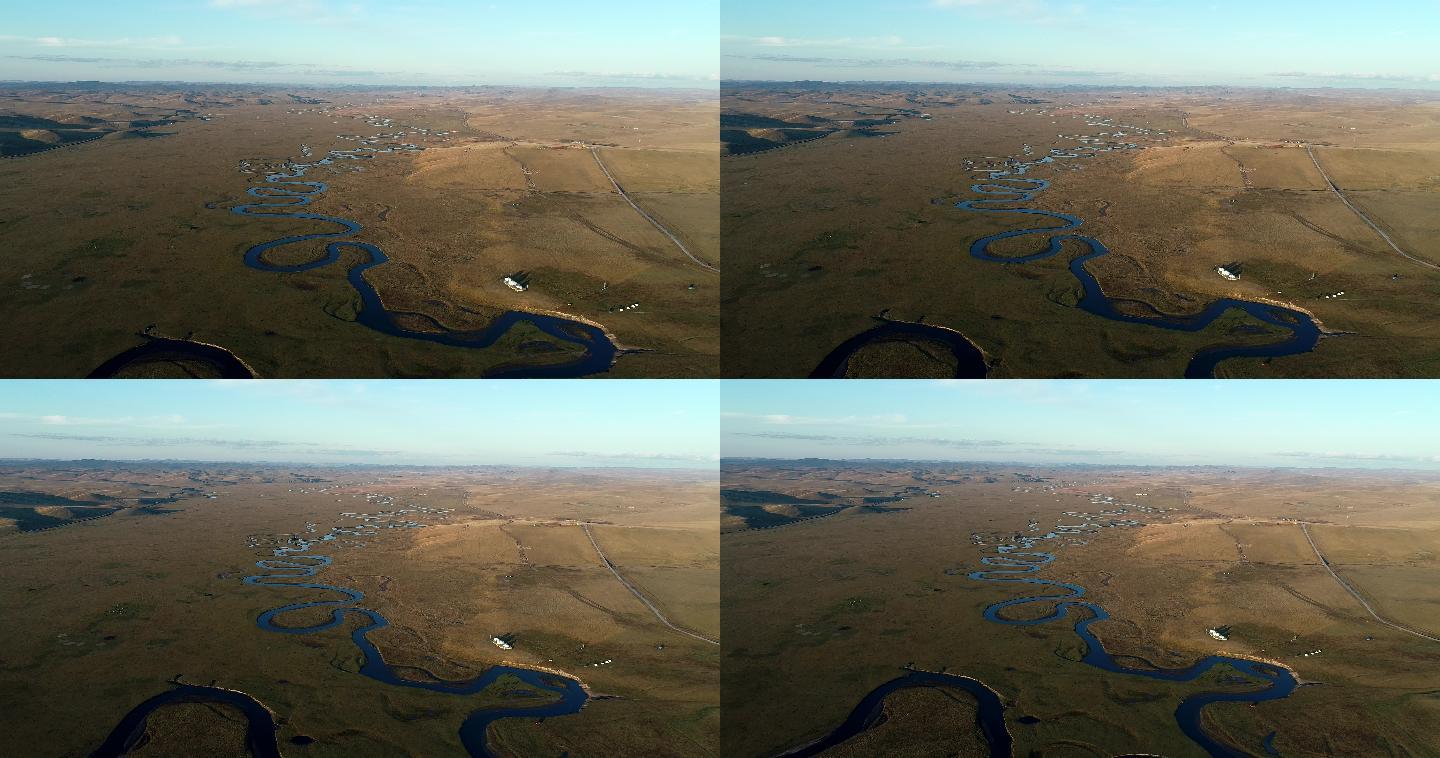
x,y
232,230
899,608
913,230
166,609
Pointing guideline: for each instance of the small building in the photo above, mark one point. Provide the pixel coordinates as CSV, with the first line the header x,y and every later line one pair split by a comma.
x,y
1221,633
1229,271
518,281
504,642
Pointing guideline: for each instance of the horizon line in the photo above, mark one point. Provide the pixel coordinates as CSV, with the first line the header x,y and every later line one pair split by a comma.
x,y
682,465
726,459
697,85
1075,86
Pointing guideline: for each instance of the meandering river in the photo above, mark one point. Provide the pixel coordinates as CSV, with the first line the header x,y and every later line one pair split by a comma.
x,y
160,349
969,361
296,562
871,712
1005,191
1017,561
260,724
288,189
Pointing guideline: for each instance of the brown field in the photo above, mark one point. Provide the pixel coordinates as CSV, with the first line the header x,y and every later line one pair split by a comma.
x,y
819,612
131,233
833,226
123,603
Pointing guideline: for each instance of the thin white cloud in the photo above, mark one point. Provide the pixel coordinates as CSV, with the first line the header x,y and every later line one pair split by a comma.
x,y
1352,76
1029,392
890,443
786,419
144,43
167,421
1026,11
622,456
884,42
316,393
631,75
249,445
274,68
306,11
1352,456
968,67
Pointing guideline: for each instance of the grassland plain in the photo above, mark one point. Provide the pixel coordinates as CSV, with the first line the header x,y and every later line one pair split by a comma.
x,y
131,234
838,209
819,612
120,605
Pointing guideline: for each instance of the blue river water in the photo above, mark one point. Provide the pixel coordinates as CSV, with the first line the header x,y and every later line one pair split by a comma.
x,y
1018,561
969,361
284,571
225,363
1004,190
259,730
288,190
871,712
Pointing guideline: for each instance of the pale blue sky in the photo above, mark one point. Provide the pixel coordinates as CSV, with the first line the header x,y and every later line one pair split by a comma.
x,y
1301,43
547,423
1353,424
650,43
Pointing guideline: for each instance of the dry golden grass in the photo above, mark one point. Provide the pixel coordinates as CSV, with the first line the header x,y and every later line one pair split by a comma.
x,y
1277,167
140,598
562,169
1186,166
555,545
149,235
640,171
819,613
40,135
826,234
481,167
